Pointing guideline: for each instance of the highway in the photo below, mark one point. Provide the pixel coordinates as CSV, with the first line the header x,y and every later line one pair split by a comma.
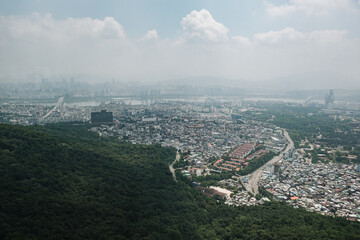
x,y
57,106
254,178
171,166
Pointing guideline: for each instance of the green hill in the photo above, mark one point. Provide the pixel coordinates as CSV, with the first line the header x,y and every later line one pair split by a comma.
x,y
63,182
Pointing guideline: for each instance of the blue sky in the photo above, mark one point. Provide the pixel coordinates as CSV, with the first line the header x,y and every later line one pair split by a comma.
x,y
229,38
138,16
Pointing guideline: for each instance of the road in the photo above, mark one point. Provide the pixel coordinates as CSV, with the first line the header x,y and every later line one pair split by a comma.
x,y
57,106
254,178
171,166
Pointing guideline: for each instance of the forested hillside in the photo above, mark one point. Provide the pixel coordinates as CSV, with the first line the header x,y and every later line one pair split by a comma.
x,y
63,182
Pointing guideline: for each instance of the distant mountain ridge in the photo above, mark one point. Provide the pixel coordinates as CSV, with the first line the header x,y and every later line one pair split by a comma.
x,y
305,81
208,81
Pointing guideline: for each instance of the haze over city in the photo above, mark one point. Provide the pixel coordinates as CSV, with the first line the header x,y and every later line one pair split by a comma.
x,y
168,119
153,41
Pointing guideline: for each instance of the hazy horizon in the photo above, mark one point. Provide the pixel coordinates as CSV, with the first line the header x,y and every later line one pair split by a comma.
x,y
165,40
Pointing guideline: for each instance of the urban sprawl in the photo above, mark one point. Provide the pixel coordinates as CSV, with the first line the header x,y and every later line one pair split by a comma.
x,y
215,139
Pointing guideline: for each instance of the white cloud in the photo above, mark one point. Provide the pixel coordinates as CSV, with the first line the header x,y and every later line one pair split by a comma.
x,y
242,40
86,45
38,26
311,7
151,35
69,45
279,10
201,25
287,34
290,35
327,36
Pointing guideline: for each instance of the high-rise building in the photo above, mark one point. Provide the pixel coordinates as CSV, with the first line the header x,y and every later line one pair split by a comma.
x,y
102,117
329,98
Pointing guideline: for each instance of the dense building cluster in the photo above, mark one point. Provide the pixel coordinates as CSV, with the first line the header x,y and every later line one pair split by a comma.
x,y
193,129
240,157
43,113
330,189
215,140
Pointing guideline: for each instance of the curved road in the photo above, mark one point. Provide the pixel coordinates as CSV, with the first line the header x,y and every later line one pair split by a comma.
x,y
254,178
171,166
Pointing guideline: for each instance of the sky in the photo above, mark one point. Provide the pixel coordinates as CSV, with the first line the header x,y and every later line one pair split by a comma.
x,y
156,40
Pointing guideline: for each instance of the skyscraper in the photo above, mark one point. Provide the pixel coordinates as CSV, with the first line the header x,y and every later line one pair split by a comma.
x,y
329,98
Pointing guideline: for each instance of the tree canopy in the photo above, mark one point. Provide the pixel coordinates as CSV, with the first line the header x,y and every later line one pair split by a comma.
x,y
64,182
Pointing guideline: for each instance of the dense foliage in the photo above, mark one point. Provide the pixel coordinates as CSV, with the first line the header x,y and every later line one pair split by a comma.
x,y
308,122
256,163
63,182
